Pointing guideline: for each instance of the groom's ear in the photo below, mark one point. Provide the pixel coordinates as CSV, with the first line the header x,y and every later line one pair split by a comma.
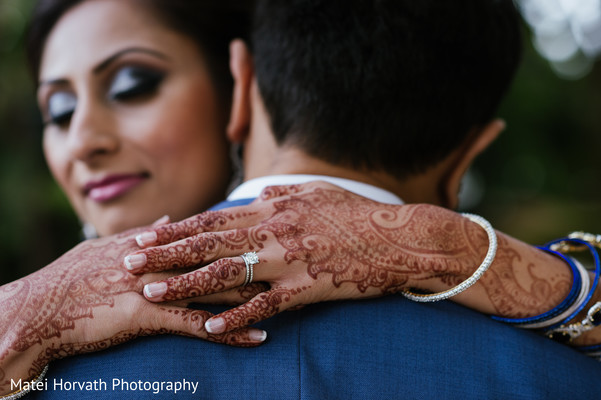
x,y
242,69
474,144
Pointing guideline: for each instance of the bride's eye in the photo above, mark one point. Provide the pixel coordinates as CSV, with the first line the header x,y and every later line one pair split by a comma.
x,y
61,106
130,82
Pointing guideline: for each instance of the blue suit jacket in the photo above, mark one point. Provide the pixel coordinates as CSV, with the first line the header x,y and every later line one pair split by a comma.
x,y
373,349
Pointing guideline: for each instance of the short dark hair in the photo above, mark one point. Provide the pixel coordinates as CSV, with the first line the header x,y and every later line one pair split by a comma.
x,y
211,24
392,85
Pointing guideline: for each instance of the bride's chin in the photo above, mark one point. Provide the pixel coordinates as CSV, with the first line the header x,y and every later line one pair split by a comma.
x,y
106,228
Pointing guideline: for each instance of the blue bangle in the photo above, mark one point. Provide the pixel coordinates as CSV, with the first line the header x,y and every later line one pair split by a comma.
x,y
561,307
595,279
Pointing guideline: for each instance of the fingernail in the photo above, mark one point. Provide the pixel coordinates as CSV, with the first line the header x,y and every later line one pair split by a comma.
x,y
215,325
161,221
257,336
135,261
146,238
156,289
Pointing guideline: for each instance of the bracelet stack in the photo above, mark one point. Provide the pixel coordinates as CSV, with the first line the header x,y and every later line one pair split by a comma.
x,y
555,323
562,331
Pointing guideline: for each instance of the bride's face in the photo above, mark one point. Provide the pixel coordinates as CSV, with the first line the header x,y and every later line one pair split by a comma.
x,y
133,128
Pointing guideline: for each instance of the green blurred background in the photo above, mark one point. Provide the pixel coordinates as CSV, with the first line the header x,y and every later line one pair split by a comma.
x,y
540,180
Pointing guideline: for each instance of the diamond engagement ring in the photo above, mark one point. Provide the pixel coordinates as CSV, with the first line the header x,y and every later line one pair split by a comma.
x,y
250,259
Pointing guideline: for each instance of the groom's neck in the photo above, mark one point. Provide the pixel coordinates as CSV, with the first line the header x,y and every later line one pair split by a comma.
x,y
290,160
263,157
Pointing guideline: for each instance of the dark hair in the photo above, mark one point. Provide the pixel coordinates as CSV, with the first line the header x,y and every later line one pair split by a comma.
x,y
391,85
212,24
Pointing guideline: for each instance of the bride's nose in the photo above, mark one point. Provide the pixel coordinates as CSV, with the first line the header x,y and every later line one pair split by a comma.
x,y
91,134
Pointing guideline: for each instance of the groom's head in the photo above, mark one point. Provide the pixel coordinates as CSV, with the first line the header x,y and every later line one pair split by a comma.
x,y
395,86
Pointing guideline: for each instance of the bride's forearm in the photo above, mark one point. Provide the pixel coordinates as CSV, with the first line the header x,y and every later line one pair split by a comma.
x,y
522,280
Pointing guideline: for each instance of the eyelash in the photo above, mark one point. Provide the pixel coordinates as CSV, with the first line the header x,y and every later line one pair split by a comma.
x,y
60,119
145,81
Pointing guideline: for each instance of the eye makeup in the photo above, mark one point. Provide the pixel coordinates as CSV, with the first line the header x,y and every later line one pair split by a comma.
x,y
116,79
133,81
61,106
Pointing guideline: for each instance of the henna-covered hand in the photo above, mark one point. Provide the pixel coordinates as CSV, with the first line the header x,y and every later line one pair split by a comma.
x,y
85,301
317,242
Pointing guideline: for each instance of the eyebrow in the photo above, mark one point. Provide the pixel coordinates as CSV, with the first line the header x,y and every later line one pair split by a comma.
x,y
107,62
104,64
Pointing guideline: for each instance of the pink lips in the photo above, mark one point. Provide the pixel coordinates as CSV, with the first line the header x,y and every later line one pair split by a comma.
x,y
112,186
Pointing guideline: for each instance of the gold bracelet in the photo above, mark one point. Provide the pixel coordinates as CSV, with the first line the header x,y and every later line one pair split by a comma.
x,y
22,392
568,332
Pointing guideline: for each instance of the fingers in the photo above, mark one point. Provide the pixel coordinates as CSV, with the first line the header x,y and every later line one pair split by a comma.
x,y
233,297
223,274
261,307
196,250
215,221
209,221
187,322
235,217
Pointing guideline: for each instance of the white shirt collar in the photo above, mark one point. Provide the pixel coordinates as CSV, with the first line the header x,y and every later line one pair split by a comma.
x,y
254,187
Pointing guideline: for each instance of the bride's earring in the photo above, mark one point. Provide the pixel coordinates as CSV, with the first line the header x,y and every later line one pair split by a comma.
x,y
88,231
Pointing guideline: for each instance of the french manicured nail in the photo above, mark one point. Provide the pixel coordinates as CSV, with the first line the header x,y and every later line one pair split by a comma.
x,y
154,290
257,336
146,238
135,261
215,325
161,221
